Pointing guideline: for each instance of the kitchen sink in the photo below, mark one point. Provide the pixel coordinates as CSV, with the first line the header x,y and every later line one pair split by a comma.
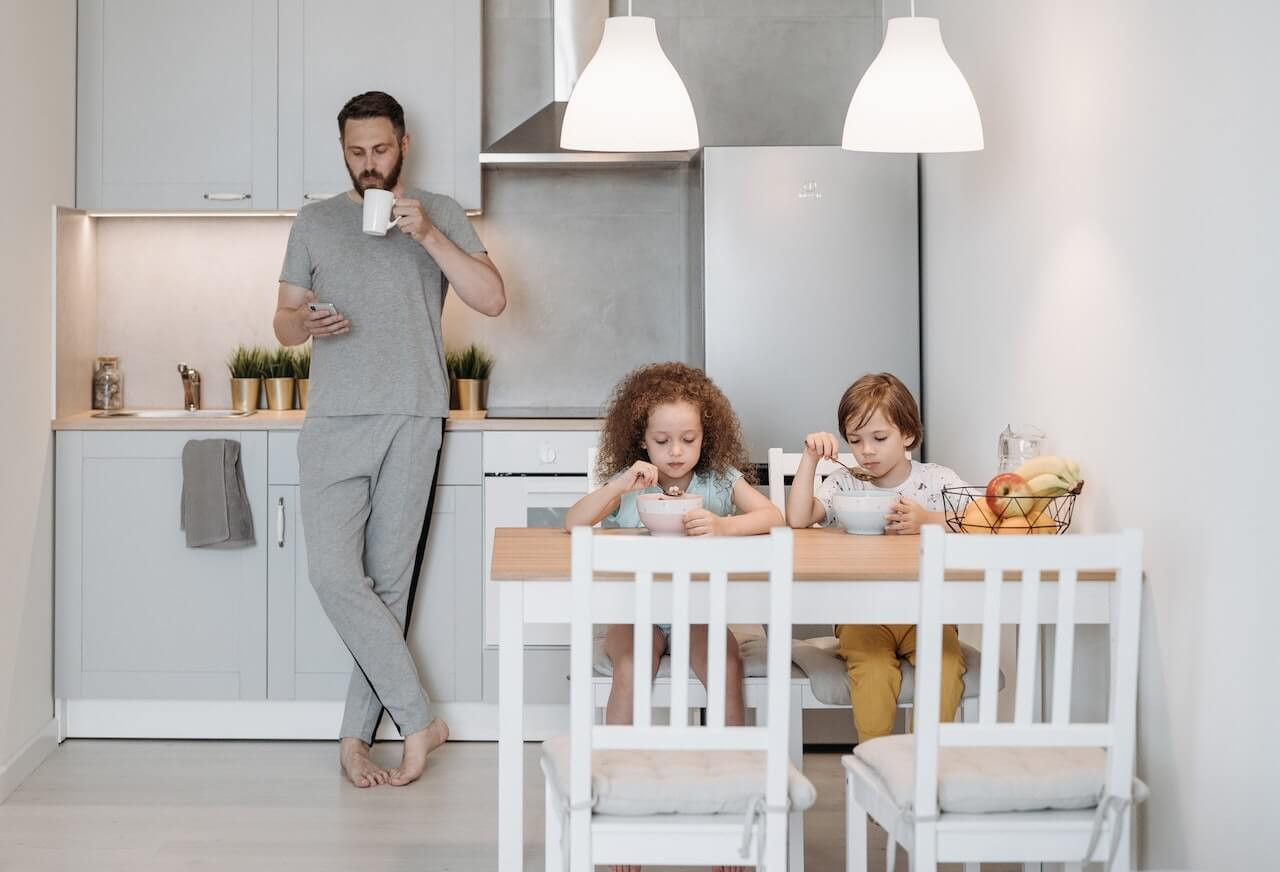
x,y
178,414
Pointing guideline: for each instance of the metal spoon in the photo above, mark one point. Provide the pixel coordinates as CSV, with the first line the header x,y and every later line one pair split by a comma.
x,y
856,471
674,491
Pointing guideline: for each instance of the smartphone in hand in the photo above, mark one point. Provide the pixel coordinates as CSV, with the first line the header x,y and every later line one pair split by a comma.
x,y
328,308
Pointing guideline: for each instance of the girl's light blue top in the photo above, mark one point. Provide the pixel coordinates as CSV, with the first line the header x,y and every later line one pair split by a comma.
x,y
716,492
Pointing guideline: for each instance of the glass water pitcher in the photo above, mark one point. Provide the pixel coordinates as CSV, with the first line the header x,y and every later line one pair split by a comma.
x,y
1017,445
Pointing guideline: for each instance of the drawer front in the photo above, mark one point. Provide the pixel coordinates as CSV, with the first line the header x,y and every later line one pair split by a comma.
x,y
538,453
459,462
282,458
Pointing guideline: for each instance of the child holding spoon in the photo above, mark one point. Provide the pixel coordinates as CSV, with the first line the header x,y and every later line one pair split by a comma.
x,y
881,422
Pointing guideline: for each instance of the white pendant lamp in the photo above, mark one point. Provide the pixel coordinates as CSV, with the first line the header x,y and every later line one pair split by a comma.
x,y
913,97
629,98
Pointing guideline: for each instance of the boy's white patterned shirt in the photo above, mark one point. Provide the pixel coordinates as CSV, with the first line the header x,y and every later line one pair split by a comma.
x,y
924,485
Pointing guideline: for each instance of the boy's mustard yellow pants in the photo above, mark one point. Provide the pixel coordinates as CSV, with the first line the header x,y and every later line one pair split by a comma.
x,y
873,652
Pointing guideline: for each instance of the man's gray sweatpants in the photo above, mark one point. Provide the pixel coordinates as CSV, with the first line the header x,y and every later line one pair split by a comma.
x,y
366,485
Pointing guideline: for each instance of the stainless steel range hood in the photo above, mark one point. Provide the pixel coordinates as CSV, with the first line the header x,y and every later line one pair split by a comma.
x,y
577,28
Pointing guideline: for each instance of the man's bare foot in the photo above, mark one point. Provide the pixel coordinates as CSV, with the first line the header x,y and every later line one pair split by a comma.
x,y
416,748
357,765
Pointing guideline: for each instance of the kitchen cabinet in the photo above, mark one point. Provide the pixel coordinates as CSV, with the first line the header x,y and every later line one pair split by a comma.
x,y
425,53
141,617
138,614
176,105
306,658
194,106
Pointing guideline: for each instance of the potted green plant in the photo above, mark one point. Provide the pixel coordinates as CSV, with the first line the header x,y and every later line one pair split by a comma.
x,y
452,360
280,379
474,365
246,365
302,373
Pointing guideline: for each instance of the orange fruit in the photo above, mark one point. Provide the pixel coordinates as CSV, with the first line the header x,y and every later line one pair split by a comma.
x,y
1015,525
978,518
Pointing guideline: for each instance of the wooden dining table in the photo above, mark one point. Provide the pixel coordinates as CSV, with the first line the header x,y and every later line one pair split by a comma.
x,y
839,579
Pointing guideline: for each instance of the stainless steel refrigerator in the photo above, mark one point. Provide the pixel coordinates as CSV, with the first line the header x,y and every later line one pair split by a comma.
x,y
810,279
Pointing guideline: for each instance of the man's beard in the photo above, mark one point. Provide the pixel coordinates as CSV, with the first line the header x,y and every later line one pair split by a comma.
x,y
374,179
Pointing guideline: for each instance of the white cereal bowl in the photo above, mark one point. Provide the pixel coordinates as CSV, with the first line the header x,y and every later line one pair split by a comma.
x,y
863,513
664,515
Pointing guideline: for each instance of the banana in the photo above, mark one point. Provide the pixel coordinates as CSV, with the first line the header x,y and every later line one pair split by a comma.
x,y
1046,464
1048,484
1068,471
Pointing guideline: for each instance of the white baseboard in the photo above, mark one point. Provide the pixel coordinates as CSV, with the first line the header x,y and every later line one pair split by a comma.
x,y
17,768
241,719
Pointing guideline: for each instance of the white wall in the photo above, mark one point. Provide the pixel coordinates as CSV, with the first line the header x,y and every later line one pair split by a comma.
x,y
184,289
37,153
1106,269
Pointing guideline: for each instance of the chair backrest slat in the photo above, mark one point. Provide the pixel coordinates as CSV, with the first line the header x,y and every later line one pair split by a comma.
x,y
679,648
1031,558
642,650
990,678
1028,648
716,645
1064,648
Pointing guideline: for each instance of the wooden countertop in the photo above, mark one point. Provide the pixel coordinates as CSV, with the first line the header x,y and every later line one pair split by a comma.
x,y
267,420
540,554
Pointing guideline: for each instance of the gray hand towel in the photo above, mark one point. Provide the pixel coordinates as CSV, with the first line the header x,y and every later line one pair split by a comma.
x,y
215,505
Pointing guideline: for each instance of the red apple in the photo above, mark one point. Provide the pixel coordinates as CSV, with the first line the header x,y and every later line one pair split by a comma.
x,y
1001,490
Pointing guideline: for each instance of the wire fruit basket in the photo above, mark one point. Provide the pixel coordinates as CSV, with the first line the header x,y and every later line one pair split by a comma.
x,y
967,511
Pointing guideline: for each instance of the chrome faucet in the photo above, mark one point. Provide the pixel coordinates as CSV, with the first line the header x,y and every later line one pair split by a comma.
x,y
190,387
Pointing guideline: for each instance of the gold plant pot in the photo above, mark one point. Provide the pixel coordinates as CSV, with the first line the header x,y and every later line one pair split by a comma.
x,y
244,394
473,394
302,392
279,394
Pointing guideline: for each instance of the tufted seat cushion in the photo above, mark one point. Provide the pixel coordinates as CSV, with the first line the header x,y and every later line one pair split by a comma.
x,y
829,674
673,782
986,780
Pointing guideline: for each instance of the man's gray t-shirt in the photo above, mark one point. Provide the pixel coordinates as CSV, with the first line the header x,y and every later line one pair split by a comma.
x,y
392,360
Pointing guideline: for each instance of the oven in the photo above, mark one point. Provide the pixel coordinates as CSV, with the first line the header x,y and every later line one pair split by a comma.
x,y
531,478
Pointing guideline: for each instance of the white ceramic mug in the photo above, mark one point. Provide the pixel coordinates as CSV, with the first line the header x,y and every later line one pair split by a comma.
x,y
377,211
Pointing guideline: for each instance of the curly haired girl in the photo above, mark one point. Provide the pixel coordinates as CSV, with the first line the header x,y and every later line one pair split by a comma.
x,y
668,424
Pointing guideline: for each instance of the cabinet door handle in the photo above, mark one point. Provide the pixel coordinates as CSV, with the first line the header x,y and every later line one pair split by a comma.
x,y
280,522
221,198
317,196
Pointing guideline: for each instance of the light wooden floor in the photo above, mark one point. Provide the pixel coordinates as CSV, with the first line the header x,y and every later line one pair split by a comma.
x,y
123,806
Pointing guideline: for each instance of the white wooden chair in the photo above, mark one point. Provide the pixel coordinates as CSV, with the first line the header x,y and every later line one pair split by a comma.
x,y
754,690
675,794
1049,791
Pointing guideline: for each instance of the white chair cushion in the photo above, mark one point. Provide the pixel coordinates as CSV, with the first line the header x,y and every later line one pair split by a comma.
x,y
829,674
753,648
673,782
987,780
